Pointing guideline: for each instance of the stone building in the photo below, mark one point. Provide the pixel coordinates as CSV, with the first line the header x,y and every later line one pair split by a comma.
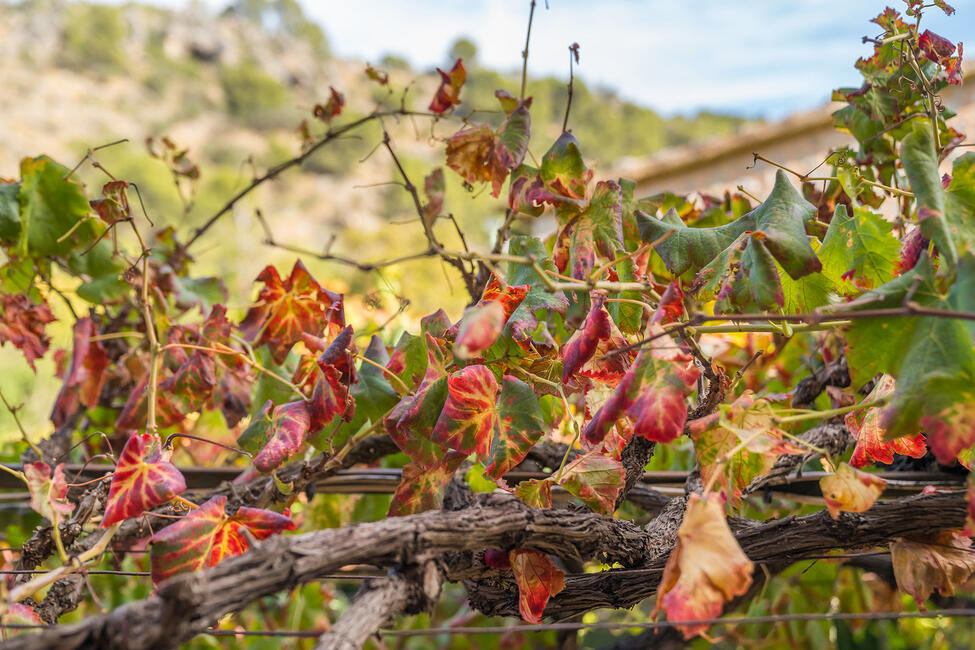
x,y
799,142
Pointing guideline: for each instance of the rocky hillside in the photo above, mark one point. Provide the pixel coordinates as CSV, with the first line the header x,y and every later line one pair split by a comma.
x,y
232,88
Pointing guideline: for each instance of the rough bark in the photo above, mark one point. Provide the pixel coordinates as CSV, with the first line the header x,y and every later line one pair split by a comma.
x,y
379,602
777,544
188,604
835,373
832,436
636,454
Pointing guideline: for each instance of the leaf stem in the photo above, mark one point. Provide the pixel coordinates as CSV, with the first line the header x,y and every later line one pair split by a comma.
x,y
823,415
386,371
524,52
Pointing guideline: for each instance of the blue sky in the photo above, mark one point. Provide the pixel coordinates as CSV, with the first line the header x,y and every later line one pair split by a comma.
x,y
753,57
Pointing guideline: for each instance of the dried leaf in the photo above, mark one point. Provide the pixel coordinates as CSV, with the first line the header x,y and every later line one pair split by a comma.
x,y
706,569
22,323
944,562
850,490
448,94
86,374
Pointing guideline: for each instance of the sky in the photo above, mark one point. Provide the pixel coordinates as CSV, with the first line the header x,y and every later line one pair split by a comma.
x,y
758,58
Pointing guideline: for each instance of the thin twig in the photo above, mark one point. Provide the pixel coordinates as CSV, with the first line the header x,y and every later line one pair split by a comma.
x,y
524,52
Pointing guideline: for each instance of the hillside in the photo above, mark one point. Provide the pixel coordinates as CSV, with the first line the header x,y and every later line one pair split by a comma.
x,y
231,89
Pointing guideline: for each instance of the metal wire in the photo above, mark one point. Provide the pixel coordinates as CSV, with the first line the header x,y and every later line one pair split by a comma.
x,y
647,625
367,576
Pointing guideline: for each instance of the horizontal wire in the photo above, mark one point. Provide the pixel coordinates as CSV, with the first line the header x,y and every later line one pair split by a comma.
x,y
742,620
648,625
367,576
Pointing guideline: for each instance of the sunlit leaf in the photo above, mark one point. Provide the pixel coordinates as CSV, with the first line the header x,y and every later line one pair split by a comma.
x,y
143,479
535,492
479,329
705,570
48,491
850,490
285,309
866,427
208,535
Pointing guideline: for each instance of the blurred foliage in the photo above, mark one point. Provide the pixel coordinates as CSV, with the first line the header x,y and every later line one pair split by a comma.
x,y
93,38
253,96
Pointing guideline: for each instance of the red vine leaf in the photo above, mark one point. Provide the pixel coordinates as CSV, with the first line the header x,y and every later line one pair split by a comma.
x,y
143,479
952,430
286,434
468,418
706,569
653,393
18,614
479,329
48,491
507,295
22,323
671,306
208,535
448,94
944,562
867,428
519,425
411,420
332,107
597,337
285,309
595,479
850,490
331,394
421,489
86,374
538,580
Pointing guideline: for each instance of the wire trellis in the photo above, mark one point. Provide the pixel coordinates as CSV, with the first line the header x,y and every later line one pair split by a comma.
x,y
608,625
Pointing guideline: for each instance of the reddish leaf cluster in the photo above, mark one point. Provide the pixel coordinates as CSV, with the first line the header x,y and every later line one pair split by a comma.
x,y
208,535
22,323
